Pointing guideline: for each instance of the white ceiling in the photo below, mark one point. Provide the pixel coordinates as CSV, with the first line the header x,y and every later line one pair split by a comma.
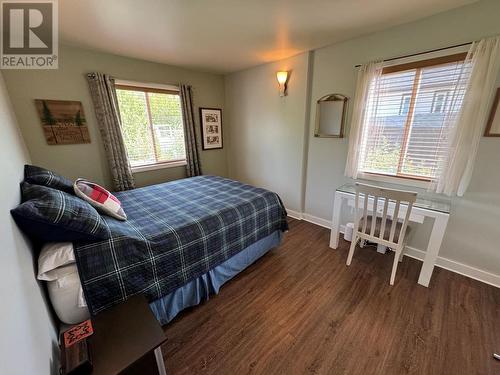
x,y
228,35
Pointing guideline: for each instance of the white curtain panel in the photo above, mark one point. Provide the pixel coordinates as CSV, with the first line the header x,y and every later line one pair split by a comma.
x,y
368,75
480,70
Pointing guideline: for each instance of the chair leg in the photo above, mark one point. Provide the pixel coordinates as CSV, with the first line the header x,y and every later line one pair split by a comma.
x,y
351,249
401,255
397,254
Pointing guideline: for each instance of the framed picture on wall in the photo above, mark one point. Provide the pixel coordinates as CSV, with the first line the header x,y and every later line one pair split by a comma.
x,y
63,121
493,126
211,128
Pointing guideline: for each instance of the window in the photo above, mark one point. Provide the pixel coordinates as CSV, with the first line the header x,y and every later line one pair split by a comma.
x,y
439,101
405,104
408,111
152,126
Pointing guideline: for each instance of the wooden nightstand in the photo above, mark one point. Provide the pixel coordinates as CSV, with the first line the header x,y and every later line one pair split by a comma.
x,y
127,340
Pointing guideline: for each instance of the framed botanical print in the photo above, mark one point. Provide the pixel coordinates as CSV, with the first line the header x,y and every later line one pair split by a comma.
x,y
211,128
493,126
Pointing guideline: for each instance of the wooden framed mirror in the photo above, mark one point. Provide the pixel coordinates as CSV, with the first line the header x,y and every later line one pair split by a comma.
x,y
493,127
331,111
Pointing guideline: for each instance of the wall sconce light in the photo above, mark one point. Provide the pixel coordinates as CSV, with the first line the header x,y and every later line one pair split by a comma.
x,y
282,78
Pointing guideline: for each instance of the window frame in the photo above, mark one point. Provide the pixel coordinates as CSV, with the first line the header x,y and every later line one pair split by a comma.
x,y
402,105
152,88
399,177
446,94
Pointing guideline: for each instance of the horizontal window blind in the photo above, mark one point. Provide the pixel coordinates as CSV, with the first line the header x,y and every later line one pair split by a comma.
x,y
152,125
409,114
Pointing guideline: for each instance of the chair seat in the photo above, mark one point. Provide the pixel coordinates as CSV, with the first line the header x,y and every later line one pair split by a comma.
x,y
378,226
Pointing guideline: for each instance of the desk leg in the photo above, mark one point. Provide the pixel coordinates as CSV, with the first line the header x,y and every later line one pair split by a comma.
x,y
435,241
159,361
334,234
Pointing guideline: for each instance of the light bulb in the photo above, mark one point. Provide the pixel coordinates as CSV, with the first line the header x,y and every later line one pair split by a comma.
x,y
282,77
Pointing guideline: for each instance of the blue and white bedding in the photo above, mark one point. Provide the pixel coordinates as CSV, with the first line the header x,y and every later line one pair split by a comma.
x,y
175,232
200,289
57,267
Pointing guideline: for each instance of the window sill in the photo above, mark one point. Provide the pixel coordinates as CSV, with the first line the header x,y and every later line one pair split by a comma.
x,y
154,167
423,184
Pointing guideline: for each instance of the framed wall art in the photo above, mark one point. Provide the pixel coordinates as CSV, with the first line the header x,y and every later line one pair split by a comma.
x,y
211,128
493,126
63,121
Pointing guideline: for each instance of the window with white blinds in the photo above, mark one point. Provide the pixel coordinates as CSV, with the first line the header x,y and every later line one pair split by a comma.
x,y
409,111
151,125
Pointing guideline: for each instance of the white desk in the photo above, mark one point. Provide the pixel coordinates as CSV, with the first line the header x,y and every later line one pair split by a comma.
x,y
438,209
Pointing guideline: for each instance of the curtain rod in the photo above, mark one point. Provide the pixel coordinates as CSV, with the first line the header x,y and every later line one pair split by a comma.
x,y
423,53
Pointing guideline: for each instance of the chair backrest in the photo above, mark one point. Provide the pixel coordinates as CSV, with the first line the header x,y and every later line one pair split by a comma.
x,y
391,198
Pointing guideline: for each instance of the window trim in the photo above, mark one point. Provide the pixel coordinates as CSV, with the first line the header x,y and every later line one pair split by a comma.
x,y
415,65
148,85
156,166
151,88
147,89
448,59
424,184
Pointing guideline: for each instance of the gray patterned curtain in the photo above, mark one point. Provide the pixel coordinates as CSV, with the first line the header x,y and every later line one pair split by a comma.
x,y
193,167
102,89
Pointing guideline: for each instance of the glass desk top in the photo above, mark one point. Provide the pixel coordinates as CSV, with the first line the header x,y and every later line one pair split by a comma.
x,y
440,204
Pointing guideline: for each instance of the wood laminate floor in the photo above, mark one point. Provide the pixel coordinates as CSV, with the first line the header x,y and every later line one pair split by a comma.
x,y
300,310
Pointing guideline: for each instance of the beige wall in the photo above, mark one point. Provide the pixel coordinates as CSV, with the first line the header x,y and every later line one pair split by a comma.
x,y
28,339
266,131
472,236
69,83
473,233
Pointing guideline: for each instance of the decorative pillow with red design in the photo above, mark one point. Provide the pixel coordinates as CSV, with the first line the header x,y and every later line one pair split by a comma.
x,y
100,198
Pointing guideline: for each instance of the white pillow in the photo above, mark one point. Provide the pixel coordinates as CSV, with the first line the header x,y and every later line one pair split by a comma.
x,y
53,257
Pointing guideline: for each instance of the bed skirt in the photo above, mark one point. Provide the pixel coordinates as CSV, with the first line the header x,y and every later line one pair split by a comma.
x,y
199,290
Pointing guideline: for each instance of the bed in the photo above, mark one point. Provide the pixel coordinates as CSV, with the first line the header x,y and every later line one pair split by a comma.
x,y
181,242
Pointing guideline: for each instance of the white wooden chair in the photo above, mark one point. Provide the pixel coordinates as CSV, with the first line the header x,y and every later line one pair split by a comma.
x,y
381,229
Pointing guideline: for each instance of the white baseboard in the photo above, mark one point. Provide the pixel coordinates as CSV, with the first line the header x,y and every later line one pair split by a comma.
x,y
317,220
447,264
457,267
295,214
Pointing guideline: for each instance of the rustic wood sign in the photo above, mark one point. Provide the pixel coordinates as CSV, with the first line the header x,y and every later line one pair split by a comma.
x,y
63,121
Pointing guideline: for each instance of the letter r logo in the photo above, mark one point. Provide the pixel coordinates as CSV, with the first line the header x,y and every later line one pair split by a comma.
x,y
27,28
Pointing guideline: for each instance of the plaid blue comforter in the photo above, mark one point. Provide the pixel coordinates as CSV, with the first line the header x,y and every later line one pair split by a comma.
x,y
175,232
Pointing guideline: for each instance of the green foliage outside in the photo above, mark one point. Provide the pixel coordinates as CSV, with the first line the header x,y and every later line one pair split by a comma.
x,y
412,168
166,115
136,134
385,159
166,119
